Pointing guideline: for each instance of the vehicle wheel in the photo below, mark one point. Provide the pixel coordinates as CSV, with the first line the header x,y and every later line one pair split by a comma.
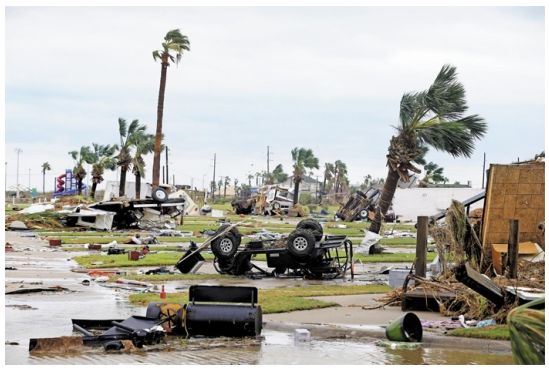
x,y
364,214
234,232
312,225
301,242
160,195
275,206
224,247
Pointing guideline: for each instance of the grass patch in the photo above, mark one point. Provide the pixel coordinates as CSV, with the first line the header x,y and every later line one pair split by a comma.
x,y
121,260
173,277
392,257
500,332
281,299
398,241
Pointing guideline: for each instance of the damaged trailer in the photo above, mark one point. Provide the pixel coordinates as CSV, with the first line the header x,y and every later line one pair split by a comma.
x,y
269,200
212,311
362,206
140,213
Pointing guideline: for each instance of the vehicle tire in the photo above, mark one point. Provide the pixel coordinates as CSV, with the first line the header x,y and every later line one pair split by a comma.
x,y
160,195
312,225
364,214
234,232
225,247
301,242
275,206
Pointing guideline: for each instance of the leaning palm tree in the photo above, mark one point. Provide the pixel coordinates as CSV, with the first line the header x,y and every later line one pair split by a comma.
x,y
303,159
174,42
124,157
45,167
85,155
143,145
434,118
103,159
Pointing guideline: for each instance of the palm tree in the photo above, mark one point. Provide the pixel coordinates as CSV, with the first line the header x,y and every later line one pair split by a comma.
x,y
303,159
124,158
174,42
433,174
143,145
103,156
340,174
227,180
235,181
435,118
278,175
250,178
219,185
85,155
328,175
45,167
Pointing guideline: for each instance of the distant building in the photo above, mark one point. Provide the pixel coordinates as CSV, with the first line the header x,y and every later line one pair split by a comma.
x,y
410,203
307,185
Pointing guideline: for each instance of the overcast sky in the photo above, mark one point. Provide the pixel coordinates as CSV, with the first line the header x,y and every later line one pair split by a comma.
x,y
329,79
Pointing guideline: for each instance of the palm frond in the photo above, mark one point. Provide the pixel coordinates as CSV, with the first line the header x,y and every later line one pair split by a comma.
x,y
156,55
122,127
446,96
133,127
448,136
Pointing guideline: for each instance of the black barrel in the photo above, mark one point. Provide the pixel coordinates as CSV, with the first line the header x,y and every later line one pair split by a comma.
x,y
223,320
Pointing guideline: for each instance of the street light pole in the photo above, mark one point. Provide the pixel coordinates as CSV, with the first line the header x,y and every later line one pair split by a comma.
x,y
18,151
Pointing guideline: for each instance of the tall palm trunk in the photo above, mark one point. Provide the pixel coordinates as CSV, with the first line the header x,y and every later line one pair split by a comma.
x,y
296,190
385,200
94,186
43,183
323,187
225,191
122,188
159,115
79,181
137,185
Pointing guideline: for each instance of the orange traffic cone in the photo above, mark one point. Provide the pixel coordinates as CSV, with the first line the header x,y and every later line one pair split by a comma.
x,y
162,293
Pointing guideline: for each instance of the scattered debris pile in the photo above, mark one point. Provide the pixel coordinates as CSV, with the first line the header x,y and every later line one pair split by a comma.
x,y
212,311
466,281
115,214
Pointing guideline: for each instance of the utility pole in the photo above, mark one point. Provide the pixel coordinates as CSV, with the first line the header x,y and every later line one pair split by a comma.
x,y
483,169
167,173
18,151
163,174
268,160
173,176
213,179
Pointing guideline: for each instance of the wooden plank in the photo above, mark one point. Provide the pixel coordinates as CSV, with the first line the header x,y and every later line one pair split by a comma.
x,y
421,245
513,248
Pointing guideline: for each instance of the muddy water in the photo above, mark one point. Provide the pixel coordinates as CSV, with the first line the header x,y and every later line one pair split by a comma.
x,y
279,348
